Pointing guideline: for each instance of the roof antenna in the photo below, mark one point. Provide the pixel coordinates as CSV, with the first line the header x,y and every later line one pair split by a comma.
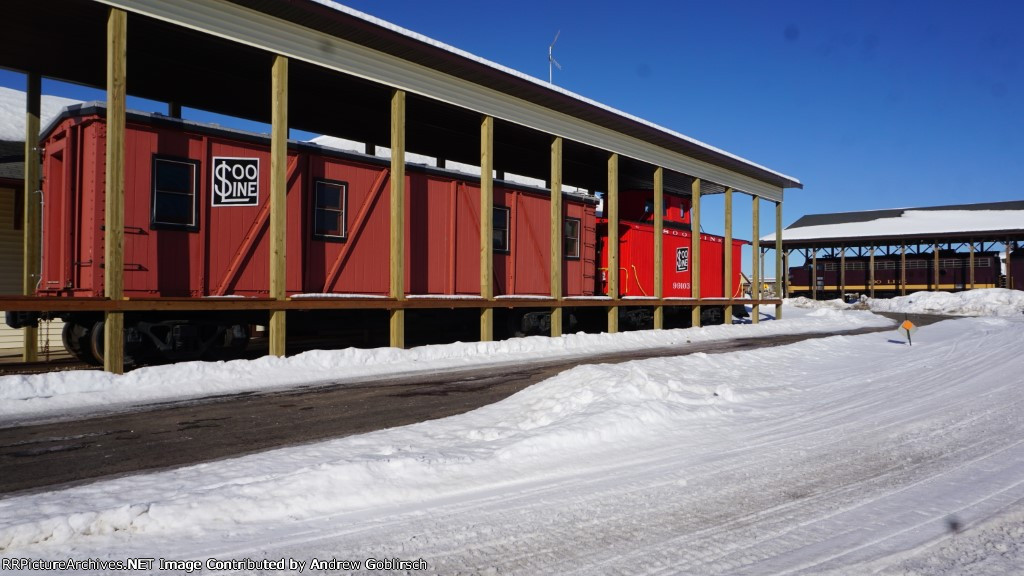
x,y
551,58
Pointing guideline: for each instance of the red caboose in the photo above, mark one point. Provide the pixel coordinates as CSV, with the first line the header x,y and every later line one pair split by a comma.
x,y
636,253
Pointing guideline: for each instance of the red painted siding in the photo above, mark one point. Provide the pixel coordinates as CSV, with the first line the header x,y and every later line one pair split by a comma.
x,y
636,262
228,251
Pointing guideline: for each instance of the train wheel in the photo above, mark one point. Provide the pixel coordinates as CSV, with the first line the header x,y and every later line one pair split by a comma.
x,y
96,341
236,339
77,341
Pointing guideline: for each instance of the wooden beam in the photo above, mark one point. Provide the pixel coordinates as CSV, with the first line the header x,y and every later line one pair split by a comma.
x,y
113,274
971,264
611,209
785,268
814,275
903,269
101,304
278,203
871,272
30,222
174,109
730,290
842,274
780,271
659,256
1009,264
397,218
487,226
755,283
695,249
557,222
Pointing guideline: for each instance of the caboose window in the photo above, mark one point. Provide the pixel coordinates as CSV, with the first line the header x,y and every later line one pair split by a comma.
x,y
175,182
329,210
501,219
571,239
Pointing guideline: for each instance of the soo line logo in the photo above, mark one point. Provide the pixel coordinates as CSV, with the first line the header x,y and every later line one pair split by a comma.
x,y
236,181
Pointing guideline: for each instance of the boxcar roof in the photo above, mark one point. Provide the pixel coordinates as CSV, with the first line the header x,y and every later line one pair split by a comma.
x,y
990,220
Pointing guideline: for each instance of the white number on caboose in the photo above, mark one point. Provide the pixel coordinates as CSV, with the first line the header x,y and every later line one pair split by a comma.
x,y
236,181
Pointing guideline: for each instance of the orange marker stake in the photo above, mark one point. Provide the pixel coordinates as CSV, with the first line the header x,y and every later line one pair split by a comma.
x,y
909,327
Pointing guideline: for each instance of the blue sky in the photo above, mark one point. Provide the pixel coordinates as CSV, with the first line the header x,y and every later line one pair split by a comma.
x,y
871,104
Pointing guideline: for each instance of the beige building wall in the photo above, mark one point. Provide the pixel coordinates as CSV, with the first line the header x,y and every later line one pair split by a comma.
x,y
11,242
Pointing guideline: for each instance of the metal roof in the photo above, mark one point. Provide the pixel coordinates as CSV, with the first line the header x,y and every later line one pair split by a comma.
x,y
12,160
996,221
869,215
215,55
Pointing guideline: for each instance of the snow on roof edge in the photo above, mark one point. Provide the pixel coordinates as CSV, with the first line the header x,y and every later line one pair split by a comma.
x,y
911,223
459,52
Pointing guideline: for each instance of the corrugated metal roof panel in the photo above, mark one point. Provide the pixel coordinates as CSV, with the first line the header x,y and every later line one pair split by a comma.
x,y
346,41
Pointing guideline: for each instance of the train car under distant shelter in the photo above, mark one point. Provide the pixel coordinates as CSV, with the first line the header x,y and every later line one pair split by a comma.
x,y
884,253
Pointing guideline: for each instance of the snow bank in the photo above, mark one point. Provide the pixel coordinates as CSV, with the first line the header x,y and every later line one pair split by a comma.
x,y
68,394
688,414
985,302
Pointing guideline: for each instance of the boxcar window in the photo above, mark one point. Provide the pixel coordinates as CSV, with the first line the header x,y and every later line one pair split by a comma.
x,y
175,182
571,239
501,219
329,210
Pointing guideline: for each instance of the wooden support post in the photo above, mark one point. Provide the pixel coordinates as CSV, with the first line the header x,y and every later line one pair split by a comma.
x,y
397,217
785,269
1009,264
659,243
971,264
842,274
779,269
814,276
755,281
278,204
174,109
871,272
935,268
113,274
487,226
695,311
557,223
903,269
764,278
611,208
730,290
30,222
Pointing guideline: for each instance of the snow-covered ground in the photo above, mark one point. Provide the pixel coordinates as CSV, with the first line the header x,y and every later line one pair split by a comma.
x,y
62,395
842,455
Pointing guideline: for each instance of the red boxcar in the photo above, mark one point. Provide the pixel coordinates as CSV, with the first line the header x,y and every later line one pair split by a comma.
x,y
197,217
